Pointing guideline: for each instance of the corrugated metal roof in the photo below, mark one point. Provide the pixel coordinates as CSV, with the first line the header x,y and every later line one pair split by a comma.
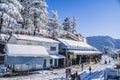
x,y
71,44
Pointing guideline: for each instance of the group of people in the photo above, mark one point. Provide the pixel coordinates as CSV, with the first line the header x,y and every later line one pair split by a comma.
x,y
73,76
82,66
68,72
107,62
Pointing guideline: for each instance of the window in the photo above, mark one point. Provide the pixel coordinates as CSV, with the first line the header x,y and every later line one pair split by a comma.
x,y
51,61
52,48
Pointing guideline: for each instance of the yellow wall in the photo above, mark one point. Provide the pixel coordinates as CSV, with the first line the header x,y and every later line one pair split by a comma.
x,y
73,56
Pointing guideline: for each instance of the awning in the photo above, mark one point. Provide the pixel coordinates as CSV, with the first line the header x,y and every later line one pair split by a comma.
x,y
78,52
57,56
26,51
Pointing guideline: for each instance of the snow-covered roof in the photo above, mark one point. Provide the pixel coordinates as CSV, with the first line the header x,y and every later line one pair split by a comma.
x,y
57,56
32,38
76,44
78,52
26,51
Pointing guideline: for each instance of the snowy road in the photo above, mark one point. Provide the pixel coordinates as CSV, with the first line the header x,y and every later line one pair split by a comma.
x,y
98,71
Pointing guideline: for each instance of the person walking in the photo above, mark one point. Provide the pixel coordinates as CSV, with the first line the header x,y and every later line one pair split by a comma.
x,y
67,73
90,70
105,62
82,66
109,61
51,67
76,75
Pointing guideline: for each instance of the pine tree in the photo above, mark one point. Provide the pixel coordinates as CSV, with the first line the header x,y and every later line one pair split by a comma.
x,y
73,25
10,16
1,21
54,25
67,24
35,15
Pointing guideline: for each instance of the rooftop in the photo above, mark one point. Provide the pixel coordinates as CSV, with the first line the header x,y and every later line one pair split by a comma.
x,y
32,38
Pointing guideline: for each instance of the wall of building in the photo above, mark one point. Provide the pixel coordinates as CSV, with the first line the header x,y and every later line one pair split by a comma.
x,y
51,47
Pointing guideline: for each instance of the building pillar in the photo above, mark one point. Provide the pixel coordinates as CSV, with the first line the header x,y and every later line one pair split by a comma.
x,y
57,62
80,60
64,62
66,58
118,56
90,59
53,61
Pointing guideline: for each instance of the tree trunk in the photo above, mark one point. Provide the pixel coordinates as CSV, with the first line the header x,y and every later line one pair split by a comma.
x,y
35,24
34,32
1,21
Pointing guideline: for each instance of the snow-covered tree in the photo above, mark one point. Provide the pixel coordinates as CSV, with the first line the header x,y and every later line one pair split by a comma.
x,y
10,16
67,24
54,25
73,25
35,15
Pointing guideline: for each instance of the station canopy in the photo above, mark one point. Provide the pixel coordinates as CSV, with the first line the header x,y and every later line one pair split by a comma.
x,y
57,56
78,47
71,44
78,52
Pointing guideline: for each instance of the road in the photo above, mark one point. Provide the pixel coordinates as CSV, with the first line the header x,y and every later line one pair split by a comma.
x,y
97,72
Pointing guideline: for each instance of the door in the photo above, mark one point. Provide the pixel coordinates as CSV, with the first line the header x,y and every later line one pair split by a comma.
x,y
55,63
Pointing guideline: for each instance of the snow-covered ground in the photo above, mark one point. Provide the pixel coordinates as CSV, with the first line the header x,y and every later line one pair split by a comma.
x,y
98,70
59,74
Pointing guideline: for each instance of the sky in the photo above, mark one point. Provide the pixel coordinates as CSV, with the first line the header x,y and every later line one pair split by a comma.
x,y
94,17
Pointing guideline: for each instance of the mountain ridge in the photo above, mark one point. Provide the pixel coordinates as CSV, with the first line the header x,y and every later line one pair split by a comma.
x,y
103,41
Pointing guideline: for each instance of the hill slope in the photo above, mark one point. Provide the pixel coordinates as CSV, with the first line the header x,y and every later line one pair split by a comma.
x,y
102,41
